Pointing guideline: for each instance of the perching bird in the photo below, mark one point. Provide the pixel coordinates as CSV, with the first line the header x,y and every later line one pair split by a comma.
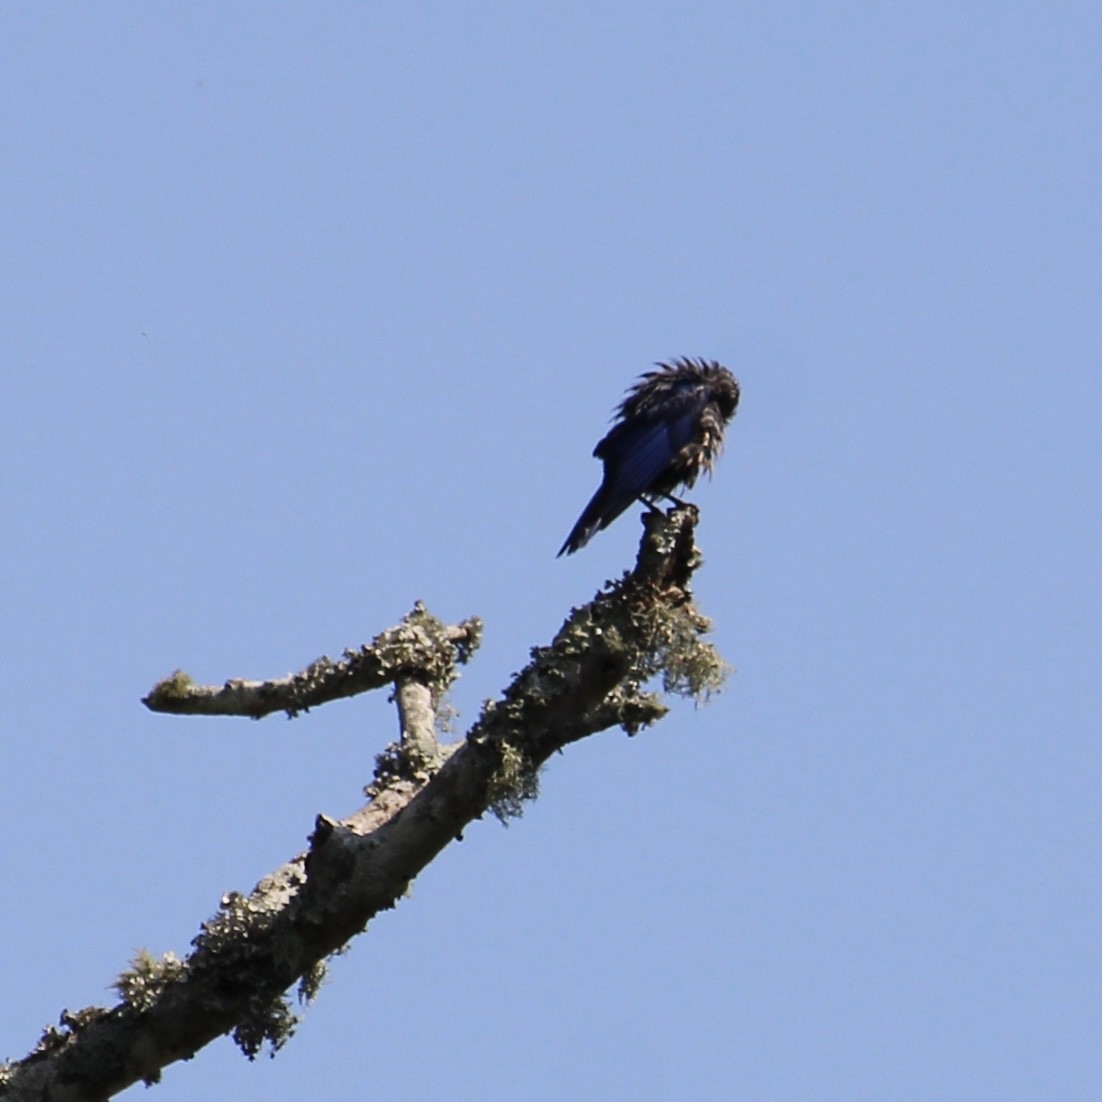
x,y
669,429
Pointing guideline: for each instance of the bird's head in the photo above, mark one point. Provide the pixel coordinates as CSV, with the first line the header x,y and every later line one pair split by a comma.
x,y
722,386
725,393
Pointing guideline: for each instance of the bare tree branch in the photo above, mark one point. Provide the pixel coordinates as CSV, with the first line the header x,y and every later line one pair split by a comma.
x,y
419,644
590,678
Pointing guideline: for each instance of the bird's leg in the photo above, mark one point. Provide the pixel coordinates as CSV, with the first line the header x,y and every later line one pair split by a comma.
x,y
651,507
675,501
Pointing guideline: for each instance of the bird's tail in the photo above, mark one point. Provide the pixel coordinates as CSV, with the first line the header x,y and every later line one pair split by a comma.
x,y
603,508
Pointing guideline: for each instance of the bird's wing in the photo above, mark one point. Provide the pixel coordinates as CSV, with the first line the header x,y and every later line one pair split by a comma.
x,y
635,454
641,446
638,456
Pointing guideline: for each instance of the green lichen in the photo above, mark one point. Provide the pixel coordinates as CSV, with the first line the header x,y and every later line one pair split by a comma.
x,y
311,982
147,978
177,686
265,1022
673,648
421,645
514,782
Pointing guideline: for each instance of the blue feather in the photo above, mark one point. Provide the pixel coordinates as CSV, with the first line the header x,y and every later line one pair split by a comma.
x,y
669,428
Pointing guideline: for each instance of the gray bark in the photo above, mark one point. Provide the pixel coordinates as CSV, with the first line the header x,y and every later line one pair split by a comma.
x,y
591,677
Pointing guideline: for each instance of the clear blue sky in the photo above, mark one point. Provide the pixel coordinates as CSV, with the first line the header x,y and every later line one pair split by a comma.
x,y
310,311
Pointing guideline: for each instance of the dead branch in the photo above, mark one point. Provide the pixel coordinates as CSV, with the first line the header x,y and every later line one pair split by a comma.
x,y
591,677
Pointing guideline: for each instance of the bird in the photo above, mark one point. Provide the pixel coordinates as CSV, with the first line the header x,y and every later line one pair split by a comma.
x,y
668,429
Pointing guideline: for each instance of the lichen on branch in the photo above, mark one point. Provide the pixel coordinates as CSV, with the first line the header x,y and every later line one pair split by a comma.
x,y
597,673
419,645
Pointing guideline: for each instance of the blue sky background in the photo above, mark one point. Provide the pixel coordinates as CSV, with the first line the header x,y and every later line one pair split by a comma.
x,y
313,311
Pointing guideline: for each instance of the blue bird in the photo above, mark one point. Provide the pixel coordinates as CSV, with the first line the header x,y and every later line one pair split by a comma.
x,y
669,428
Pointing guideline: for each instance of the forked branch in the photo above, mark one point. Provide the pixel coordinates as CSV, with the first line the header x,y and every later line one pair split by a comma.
x,y
593,676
